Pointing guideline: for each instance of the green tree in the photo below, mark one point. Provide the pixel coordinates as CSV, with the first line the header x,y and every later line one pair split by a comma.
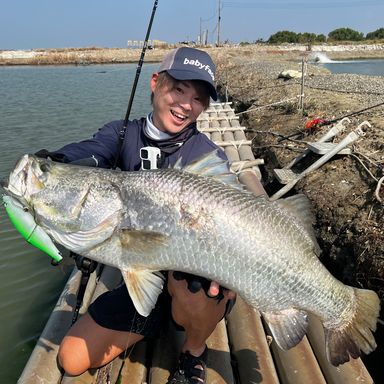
x,y
345,34
306,37
321,38
375,35
283,37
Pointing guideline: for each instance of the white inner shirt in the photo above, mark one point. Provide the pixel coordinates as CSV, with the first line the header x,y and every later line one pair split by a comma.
x,y
153,132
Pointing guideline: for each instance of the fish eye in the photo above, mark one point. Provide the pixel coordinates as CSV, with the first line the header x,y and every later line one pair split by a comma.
x,y
44,167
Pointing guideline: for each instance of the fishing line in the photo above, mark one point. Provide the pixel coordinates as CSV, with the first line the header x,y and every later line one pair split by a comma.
x,y
138,71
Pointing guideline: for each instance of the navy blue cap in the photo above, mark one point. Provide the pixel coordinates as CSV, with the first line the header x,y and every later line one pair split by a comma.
x,y
186,63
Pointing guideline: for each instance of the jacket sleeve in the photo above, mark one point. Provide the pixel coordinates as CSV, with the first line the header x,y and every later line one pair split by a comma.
x,y
102,147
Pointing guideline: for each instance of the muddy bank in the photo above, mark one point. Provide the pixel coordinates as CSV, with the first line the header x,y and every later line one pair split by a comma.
x,y
349,217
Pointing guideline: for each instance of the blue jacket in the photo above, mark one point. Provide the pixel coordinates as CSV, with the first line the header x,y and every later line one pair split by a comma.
x,y
104,147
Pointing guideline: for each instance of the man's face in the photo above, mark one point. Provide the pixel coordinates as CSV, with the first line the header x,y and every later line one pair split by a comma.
x,y
175,106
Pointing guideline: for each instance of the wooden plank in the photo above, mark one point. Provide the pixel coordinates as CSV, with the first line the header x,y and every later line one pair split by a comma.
x,y
254,363
219,129
352,372
219,359
135,370
251,180
165,355
298,364
42,367
235,143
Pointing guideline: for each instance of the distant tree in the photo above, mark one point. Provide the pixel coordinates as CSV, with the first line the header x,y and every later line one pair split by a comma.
x,y
321,38
345,34
283,37
306,38
375,35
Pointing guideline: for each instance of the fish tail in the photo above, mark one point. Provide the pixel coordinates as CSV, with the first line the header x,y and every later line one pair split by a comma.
x,y
355,335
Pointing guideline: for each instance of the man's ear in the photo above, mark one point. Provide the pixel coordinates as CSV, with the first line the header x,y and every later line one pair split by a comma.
x,y
153,81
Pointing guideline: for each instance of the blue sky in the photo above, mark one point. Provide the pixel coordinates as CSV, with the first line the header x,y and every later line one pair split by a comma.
x,y
29,24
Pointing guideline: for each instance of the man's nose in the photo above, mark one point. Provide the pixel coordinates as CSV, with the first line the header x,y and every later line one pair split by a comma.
x,y
186,103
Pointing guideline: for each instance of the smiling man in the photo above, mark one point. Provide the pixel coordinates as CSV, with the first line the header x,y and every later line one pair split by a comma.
x,y
181,90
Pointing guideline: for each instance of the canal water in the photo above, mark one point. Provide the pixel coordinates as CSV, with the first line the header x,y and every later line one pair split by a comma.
x,y
47,107
372,67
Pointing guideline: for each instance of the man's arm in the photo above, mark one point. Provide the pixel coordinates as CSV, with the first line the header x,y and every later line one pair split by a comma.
x,y
100,150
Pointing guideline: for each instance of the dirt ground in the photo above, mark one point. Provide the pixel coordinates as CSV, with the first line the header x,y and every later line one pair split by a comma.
x,y
349,217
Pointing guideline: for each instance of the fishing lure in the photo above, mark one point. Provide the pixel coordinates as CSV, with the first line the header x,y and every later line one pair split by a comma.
x,y
26,225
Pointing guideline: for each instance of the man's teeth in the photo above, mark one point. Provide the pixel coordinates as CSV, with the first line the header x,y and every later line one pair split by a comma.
x,y
182,117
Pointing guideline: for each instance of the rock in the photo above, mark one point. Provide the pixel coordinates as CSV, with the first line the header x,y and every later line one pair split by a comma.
x,y
290,74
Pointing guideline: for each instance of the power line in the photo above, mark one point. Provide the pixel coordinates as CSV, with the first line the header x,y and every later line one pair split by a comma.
x,y
301,5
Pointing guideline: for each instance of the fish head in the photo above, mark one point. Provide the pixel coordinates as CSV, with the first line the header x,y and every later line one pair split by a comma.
x,y
65,199
26,179
32,182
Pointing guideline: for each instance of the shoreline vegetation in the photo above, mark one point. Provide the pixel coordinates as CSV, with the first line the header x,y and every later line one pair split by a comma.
x,y
96,55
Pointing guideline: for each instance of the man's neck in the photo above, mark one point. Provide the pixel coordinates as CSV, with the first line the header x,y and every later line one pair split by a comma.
x,y
153,132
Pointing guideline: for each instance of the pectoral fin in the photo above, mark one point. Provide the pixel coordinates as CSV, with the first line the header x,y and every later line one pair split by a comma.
x,y
144,287
288,327
141,241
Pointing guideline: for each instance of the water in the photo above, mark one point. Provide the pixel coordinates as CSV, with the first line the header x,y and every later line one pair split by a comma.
x,y
47,107
372,67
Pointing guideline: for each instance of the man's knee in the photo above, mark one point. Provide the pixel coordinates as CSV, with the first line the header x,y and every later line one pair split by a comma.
x,y
70,359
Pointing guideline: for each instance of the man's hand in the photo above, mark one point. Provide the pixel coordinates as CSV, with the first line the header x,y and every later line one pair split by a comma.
x,y
211,288
214,290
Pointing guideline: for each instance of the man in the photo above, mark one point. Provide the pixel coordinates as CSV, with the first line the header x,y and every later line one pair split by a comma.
x,y
181,90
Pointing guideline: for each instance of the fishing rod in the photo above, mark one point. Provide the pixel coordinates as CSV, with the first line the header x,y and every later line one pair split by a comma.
x,y
138,71
85,265
321,122
140,64
317,123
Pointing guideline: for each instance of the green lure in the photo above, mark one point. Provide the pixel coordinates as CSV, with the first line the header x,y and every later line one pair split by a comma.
x,y
26,225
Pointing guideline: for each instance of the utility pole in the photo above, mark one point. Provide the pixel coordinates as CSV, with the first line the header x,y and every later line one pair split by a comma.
x,y
301,99
201,34
218,25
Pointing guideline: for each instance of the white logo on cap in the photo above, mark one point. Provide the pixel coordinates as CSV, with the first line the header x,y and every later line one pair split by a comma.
x,y
197,63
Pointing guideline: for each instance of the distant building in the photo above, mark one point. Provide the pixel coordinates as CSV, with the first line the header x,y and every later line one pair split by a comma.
x,y
151,44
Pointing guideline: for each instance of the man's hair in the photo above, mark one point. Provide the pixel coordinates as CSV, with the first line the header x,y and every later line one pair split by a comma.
x,y
166,80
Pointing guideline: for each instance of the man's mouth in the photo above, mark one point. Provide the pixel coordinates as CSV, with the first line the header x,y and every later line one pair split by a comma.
x,y
178,116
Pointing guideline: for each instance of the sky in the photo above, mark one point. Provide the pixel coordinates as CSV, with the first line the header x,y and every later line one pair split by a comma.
x,y
33,24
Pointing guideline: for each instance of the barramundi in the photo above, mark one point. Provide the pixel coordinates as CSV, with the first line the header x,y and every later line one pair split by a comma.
x,y
198,219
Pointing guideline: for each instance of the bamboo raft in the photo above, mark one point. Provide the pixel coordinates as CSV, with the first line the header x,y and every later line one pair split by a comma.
x,y
241,349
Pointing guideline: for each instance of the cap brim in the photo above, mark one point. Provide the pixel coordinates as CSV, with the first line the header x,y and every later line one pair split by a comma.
x,y
191,75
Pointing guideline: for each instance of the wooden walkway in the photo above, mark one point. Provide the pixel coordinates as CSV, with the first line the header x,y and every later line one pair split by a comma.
x,y
241,350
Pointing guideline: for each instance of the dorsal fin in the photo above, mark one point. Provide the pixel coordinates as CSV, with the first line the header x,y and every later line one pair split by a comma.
x,y
211,165
300,207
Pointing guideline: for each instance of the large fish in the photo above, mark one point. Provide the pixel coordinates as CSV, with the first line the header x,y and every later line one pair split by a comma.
x,y
199,220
